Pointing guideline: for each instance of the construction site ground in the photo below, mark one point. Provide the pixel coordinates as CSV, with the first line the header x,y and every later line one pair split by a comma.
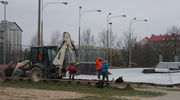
x,y
11,93
25,90
31,91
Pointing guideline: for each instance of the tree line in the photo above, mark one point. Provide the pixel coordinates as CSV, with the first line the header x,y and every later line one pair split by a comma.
x,y
119,47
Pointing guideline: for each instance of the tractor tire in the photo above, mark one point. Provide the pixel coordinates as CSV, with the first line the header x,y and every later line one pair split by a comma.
x,y
36,74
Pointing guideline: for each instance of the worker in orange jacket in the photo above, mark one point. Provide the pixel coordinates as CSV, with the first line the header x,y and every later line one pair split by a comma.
x,y
99,67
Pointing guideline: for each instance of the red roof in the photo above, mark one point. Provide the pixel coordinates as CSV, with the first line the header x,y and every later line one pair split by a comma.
x,y
156,38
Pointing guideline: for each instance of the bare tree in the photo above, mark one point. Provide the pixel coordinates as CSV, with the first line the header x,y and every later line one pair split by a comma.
x,y
169,48
119,44
145,55
56,39
87,38
173,29
34,40
129,40
129,43
113,38
117,58
87,41
102,39
172,43
126,40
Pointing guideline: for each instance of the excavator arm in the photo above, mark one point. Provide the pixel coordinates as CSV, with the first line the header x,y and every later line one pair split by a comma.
x,y
66,44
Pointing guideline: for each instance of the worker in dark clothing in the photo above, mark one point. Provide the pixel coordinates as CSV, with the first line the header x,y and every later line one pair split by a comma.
x,y
72,72
105,71
99,67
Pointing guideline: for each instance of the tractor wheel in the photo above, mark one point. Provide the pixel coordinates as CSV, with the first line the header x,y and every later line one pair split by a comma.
x,y
36,74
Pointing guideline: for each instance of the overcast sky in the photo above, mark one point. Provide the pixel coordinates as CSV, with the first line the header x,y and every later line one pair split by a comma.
x,y
161,14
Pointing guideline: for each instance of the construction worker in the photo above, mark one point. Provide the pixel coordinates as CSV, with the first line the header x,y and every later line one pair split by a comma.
x,y
105,71
40,57
72,72
99,67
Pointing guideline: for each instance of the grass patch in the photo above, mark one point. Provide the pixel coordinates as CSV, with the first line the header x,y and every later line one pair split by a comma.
x,y
81,88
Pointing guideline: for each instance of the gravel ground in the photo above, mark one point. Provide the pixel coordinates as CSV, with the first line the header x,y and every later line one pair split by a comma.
x,y
171,95
8,93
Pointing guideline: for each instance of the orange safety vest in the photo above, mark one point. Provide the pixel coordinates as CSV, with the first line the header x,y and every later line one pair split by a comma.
x,y
98,64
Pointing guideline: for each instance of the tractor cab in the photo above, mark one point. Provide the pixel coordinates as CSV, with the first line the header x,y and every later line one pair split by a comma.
x,y
45,54
41,59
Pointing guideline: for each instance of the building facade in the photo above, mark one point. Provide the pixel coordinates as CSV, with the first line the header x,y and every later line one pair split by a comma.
x,y
167,46
10,42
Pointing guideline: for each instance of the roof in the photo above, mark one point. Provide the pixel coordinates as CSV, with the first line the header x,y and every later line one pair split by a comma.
x,y
8,25
18,26
143,41
158,38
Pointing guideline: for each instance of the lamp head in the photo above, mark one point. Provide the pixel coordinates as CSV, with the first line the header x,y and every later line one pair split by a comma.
x,y
65,3
110,23
4,2
98,10
123,15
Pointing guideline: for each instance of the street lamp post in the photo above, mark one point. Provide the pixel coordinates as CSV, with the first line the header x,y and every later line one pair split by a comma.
x,y
80,16
107,22
110,43
39,22
5,3
79,27
109,17
130,38
42,24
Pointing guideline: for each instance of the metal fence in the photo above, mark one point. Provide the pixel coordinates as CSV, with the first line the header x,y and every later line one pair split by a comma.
x,y
16,53
90,54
